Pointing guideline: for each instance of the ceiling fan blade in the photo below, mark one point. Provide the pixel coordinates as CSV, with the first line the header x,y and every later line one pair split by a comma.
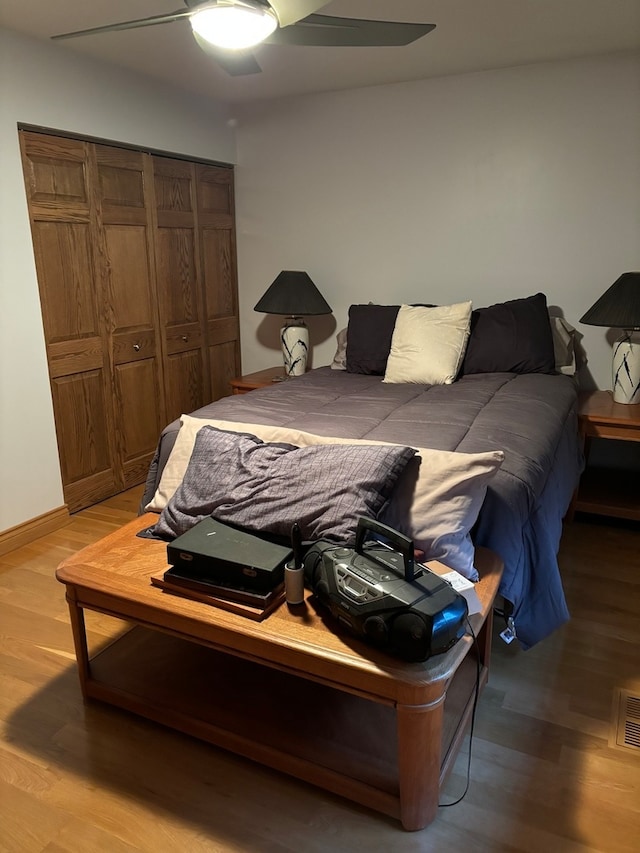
x,y
327,31
237,63
291,11
128,25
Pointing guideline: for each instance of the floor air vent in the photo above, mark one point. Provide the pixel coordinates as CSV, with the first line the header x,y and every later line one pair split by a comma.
x,y
626,722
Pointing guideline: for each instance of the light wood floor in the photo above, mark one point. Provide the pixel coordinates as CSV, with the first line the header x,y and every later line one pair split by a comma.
x,y
543,777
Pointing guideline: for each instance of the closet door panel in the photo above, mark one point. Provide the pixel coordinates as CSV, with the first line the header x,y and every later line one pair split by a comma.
x,y
173,181
62,211
179,287
83,437
185,382
67,291
223,332
215,194
176,270
130,308
121,185
219,268
139,410
218,258
185,338
136,385
129,285
66,357
224,359
55,173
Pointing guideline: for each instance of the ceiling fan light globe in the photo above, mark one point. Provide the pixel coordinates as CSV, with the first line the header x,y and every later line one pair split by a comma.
x,y
234,26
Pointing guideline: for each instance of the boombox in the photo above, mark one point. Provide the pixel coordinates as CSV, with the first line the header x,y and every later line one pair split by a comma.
x,y
381,596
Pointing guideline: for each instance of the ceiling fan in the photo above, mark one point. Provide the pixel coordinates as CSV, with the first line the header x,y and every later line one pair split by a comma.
x,y
227,28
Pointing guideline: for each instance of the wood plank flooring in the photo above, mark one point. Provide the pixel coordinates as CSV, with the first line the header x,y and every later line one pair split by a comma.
x,y
543,775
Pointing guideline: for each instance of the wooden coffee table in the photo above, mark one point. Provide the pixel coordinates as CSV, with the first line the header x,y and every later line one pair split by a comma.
x,y
293,691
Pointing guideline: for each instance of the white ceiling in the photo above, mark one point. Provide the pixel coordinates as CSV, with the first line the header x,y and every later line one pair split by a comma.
x,y
470,35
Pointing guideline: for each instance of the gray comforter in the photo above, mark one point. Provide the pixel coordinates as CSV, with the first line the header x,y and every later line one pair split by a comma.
x,y
531,417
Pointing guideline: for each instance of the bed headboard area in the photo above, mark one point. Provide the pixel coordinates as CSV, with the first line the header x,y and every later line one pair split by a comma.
x,y
519,335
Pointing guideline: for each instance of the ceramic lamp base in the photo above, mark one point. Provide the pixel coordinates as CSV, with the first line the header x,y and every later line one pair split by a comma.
x,y
294,336
626,368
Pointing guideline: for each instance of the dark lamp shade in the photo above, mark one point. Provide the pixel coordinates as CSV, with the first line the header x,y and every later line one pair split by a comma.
x,y
293,294
618,307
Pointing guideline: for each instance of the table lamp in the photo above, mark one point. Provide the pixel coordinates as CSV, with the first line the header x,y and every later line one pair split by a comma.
x,y
294,295
619,308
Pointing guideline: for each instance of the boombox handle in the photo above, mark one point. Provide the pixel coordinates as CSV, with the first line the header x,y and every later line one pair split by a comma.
x,y
402,543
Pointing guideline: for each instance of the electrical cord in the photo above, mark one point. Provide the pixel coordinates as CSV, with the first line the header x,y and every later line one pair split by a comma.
x,y
473,720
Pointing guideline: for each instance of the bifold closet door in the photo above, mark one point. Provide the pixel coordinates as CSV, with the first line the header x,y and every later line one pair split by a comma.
x,y
95,263
60,183
130,306
180,294
216,217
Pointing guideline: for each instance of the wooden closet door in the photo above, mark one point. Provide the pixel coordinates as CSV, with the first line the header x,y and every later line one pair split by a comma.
x,y
180,298
216,233
62,204
130,306
136,263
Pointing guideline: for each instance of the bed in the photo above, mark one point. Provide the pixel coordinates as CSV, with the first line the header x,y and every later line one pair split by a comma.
x,y
498,455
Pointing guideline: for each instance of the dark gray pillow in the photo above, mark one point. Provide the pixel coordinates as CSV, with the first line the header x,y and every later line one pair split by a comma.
x,y
369,336
511,337
265,487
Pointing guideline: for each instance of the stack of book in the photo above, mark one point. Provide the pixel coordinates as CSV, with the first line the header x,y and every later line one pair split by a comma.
x,y
217,564
254,605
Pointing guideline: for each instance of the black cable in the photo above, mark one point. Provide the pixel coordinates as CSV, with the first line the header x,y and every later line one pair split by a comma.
x,y
473,720
505,612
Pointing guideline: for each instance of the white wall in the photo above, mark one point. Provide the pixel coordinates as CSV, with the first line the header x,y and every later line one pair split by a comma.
x,y
486,186
45,85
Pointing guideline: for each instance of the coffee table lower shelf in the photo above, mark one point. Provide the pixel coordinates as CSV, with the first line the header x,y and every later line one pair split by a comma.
x,y
344,743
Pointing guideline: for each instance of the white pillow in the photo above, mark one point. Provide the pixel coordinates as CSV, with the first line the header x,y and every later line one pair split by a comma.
x,y
340,358
436,500
564,351
428,344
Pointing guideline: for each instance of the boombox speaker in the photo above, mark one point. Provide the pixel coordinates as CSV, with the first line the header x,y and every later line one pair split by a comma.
x,y
381,596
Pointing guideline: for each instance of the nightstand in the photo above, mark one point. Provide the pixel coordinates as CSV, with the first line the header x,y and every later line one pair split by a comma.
x,y
606,491
261,379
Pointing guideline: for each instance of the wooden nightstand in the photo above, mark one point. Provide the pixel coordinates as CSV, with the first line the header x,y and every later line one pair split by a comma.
x,y
252,381
606,491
